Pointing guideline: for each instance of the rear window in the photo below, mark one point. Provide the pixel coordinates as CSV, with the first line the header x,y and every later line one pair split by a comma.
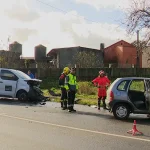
x,y
137,85
123,85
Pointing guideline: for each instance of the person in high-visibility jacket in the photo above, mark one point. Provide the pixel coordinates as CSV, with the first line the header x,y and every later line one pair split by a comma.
x,y
101,82
72,87
63,89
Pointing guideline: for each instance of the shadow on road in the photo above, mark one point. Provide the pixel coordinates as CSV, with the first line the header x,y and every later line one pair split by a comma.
x,y
16,102
102,115
142,120
139,118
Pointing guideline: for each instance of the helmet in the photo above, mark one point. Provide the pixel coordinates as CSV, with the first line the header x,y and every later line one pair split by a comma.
x,y
101,72
66,70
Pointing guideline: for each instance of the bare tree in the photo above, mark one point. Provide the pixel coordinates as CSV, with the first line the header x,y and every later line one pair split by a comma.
x,y
88,59
141,45
138,17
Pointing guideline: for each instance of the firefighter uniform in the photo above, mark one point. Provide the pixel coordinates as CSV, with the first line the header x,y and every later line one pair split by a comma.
x,y
101,82
63,89
72,87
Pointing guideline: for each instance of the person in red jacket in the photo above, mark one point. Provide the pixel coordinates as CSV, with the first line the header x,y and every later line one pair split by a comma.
x,y
101,82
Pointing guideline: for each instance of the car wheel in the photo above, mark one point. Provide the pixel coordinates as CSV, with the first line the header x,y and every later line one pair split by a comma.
x,y
22,96
121,111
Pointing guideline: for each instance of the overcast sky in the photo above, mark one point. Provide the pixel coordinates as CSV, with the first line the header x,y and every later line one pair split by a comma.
x,y
62,23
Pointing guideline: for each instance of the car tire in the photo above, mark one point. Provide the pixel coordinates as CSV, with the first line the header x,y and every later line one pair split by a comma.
x,y
121,111
22,96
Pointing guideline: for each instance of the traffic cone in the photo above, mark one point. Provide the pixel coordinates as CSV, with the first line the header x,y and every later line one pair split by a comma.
x,y
134,129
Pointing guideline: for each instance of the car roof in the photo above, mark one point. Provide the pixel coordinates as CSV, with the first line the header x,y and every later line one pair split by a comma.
x,y
131,78
9,69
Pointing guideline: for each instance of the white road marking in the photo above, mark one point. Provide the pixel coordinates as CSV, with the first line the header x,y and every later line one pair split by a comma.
x,y
74,128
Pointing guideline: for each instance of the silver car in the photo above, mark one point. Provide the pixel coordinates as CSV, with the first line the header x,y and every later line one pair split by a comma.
x,y
129,95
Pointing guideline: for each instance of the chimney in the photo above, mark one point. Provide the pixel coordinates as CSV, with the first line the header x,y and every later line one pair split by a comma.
x,y
102,46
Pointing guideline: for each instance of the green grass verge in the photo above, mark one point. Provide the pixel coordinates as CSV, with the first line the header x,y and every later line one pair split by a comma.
x,y
82,99
87,93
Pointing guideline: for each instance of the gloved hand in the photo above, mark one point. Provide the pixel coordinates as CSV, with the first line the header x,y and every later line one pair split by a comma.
x,y
99,86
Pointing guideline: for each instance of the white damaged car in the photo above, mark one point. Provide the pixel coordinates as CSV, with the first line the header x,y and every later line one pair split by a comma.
x,y
14,84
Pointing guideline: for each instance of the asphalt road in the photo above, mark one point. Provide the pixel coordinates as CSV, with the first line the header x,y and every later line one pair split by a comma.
x,y
25,127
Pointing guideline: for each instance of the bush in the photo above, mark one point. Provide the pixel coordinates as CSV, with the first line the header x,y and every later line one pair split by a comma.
x,y
86,88
87,102
49,83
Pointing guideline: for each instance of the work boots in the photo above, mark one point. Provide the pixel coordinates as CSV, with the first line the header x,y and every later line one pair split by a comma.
x,y
99,103
70,109
65,105
61,104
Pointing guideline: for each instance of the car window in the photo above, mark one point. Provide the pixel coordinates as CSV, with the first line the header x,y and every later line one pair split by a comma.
x,y
137,85
123,85
8,75
21,74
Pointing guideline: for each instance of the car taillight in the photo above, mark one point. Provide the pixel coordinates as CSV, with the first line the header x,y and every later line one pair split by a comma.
x,y
111,95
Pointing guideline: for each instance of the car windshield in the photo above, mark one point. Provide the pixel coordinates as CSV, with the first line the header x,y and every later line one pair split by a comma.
x,y
21,74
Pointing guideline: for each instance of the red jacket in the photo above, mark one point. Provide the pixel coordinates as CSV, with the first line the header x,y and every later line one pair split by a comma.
x,y
101,83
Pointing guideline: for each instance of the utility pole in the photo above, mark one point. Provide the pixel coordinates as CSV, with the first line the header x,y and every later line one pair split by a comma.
x,y
138,59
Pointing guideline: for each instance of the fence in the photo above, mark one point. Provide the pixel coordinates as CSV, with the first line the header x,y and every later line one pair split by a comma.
x,y
90,73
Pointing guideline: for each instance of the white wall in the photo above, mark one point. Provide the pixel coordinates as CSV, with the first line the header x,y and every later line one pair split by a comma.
x,y
146,58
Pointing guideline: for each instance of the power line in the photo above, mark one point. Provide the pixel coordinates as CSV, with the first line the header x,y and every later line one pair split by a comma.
x,y
64,10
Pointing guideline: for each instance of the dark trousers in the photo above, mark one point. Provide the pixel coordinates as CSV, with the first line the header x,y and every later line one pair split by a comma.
x,y
103,100
63,98
71,98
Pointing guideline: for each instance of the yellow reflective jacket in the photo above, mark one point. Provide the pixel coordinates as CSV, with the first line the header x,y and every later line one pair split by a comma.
x,y
71,83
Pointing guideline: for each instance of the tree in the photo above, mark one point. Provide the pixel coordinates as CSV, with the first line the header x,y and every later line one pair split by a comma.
x,y
138,17
27,63
88,59
141,46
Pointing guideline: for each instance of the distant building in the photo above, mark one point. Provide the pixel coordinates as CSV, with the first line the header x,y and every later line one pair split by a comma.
x,y
60,57
40,52
11,58
15,47
30,60
121,54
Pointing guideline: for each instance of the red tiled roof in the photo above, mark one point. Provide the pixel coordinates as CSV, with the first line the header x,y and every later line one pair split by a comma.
x,y
117,43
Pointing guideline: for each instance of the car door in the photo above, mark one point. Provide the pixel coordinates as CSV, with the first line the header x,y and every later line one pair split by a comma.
x,y
8,83
121,92
136,93
147,93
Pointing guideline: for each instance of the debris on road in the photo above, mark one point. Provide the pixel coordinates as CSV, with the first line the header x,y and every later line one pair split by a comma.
x,y
93,106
